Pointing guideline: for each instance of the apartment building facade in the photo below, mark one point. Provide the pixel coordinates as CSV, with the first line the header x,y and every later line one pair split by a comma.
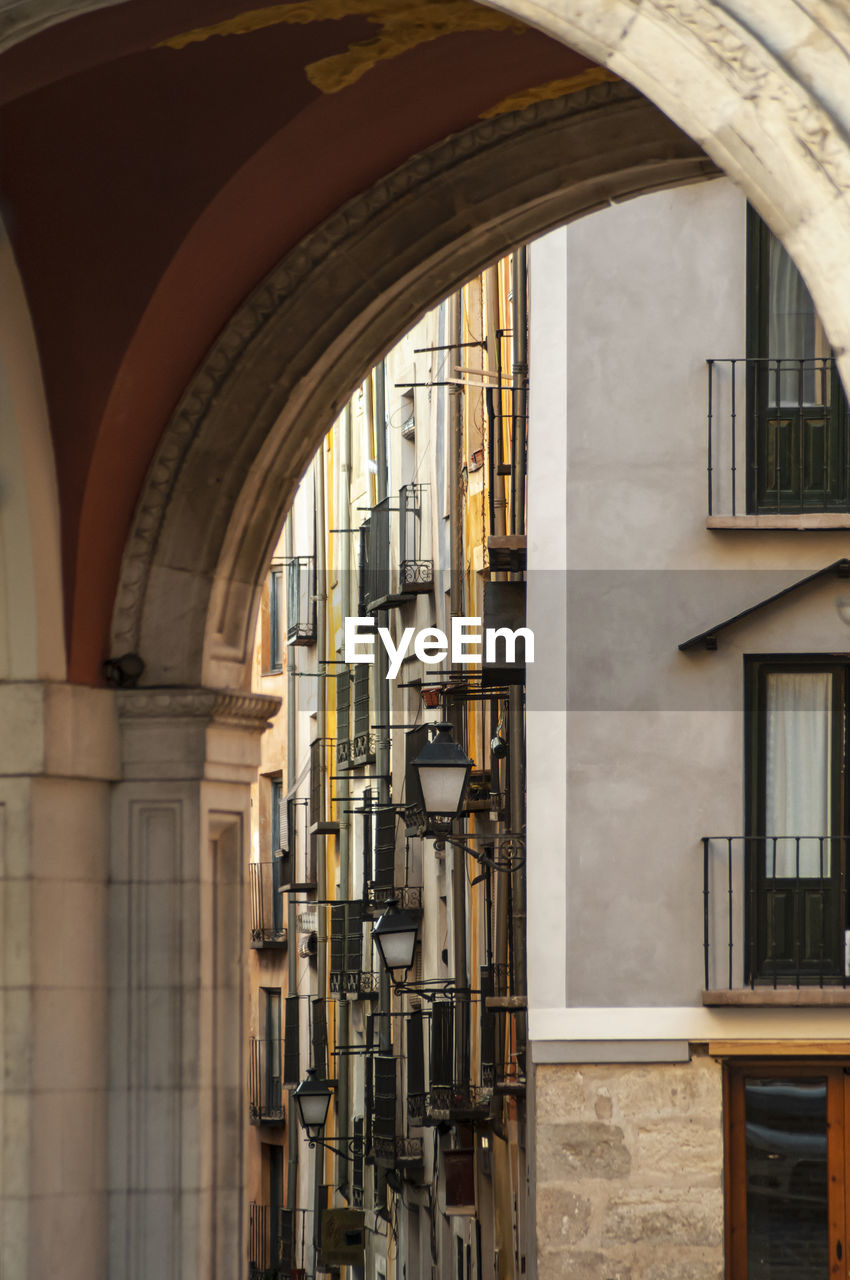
x,y
686,751
412,514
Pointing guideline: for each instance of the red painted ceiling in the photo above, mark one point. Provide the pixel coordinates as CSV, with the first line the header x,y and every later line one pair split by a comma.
x,y
147,190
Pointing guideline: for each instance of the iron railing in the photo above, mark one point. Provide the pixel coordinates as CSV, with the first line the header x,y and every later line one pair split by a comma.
x,y
774,911
270,1242
416,570
321,821
265,1081
395,528
267,927
776,437
301,601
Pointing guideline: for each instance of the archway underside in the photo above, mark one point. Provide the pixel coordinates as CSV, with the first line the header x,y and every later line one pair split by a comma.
x,y
257,410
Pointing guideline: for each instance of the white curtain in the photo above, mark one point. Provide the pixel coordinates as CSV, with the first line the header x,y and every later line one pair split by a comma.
x,y
797,773
794,333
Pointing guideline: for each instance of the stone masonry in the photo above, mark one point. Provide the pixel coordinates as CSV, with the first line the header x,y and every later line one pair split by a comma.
x,y
629,1171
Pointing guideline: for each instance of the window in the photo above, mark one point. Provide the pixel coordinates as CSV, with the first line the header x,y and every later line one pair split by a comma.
x,y
797,454
280,842
276,620
786,1156
796,804
271,999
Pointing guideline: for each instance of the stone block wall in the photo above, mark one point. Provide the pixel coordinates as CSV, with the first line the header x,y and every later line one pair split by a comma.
x,y
629,1171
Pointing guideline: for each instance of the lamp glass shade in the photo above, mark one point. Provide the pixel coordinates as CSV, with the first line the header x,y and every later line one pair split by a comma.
x,y
395,937
312,1098
444,769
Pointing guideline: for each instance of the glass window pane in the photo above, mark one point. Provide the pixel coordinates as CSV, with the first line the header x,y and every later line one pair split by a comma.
x,y
795,336
798,792
787,1182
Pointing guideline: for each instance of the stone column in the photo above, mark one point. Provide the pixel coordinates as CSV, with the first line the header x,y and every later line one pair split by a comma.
x,y
177,1025
58,758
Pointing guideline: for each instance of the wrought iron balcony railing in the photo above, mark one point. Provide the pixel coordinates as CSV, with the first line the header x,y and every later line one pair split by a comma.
x,y
266,882
322,820
270,1242
777,437
774,911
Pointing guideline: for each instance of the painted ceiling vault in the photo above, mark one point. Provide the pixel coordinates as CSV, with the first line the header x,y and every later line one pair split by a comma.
x,y
158,157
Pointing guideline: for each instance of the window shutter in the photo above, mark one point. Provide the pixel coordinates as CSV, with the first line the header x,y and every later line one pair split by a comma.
x,y
353,944
415,1054
338,946
320,1039
441,1043
291,1055
488,1030
316,779
384,869
343,703
365,584
277,807
369,1086
361,698
287,1240
357,1164
385,1097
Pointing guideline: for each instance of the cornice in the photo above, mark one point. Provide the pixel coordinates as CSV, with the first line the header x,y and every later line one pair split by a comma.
x,y
222,706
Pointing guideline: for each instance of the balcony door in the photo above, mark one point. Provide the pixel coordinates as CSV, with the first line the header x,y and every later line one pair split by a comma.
x,y
788,1153
795,840
797,438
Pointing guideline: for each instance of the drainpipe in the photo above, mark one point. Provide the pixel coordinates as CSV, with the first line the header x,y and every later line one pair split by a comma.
x,y
380,686
321,564
520,395
343,521
292,949
495,480
456,598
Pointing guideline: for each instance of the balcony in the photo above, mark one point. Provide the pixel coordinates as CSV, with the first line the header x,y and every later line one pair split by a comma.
x,y
266,882
395,563
322,751
775,918
301,601
270,1242
416,571
778,454
265,1082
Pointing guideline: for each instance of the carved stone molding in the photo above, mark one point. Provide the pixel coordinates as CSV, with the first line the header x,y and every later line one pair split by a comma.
x,y
759,76
244,710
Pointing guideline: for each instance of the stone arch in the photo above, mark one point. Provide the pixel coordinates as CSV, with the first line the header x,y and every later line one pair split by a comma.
x,y
255,413
749,91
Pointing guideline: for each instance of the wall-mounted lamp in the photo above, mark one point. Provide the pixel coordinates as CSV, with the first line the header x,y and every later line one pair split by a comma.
x,y
394,934
444,768
312,1099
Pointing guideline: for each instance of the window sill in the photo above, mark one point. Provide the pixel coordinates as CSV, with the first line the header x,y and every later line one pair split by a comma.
x,y
803,520
790,997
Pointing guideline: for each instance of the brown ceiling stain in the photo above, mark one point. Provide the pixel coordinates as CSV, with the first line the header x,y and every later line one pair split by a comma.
x,y
549,91
401,28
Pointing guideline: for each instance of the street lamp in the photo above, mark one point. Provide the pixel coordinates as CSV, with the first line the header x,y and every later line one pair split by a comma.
x,y
394,934
443,768
312,1098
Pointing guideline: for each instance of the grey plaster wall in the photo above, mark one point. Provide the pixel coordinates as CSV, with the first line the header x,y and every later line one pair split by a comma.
x,y
655,736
